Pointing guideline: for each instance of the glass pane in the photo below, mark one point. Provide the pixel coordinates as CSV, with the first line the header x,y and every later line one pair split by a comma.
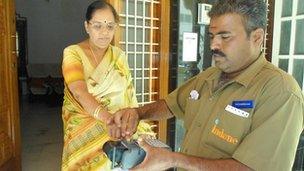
x,y
139,60
122,34
285,37
147,35
148,9
140,8
139,73
147,73
131,10
131,21
147,97
122,20
300,7
146,82
131,60
132,75
298,70
122,9
287,8
139,48
139,22
148,22
147,61
139,36
138,86
139,98
299,44
131,34
283,64
131,48
147,48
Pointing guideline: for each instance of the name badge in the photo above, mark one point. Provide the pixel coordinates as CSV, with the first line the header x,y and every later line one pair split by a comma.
x,y
237,111
242,104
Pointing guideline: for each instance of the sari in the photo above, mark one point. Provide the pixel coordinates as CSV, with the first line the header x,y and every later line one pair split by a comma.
x,y
111,85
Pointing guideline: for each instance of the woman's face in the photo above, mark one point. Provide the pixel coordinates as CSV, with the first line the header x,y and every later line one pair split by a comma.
x,y
101,28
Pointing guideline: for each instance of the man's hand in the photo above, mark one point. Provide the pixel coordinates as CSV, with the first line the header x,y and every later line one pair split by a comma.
x,y
127,119
156,158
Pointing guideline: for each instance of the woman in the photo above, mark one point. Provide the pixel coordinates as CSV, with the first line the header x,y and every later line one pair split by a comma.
x,y
97,84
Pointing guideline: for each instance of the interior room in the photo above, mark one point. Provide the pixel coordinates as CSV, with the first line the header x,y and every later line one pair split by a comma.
x,y
166,44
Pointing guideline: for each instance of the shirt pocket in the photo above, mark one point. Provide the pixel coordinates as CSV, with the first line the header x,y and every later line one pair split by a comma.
x,y
225,132
191,110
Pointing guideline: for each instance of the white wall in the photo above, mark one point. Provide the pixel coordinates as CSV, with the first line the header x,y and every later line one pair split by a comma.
x,y
52,25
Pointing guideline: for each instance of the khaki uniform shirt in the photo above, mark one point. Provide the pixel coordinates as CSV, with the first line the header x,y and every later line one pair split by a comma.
x,y
264,140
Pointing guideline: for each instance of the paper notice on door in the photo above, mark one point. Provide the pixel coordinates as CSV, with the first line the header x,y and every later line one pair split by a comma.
x,y
189,47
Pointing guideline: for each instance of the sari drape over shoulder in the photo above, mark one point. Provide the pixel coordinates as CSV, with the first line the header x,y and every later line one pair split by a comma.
x,y
111,85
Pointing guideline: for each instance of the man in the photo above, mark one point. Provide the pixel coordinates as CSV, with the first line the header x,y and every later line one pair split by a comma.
x,y
243,114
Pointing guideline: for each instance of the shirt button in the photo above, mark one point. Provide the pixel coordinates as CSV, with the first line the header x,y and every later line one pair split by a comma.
x,y
198,124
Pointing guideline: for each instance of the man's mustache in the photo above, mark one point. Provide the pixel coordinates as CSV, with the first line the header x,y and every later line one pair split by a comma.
x,y
218,53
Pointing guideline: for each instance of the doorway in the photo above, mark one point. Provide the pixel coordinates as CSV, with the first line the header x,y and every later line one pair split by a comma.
x,y
40,121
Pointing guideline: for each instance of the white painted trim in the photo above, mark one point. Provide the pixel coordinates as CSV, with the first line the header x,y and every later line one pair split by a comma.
x,y
276,32
288,56
292,37
277,36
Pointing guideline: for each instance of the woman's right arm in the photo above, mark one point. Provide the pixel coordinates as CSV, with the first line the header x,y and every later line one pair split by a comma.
x,y
73,74
88,102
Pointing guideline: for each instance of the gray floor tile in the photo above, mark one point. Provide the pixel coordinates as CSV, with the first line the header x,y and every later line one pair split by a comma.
x,y
41,136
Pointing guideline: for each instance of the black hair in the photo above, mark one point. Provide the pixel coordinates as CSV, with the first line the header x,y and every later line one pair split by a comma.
x,y
253,12
100,4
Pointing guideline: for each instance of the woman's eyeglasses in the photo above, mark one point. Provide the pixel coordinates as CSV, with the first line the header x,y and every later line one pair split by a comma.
x,y
110,26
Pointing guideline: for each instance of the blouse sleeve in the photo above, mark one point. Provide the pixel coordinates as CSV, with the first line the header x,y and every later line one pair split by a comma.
x,y
72,68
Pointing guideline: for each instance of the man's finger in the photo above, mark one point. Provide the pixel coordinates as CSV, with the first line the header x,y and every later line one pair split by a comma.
x,y
111,131
117,133
124,123
117,118
132,125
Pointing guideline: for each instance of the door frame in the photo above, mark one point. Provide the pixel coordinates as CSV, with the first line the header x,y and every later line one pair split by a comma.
x,y
10,61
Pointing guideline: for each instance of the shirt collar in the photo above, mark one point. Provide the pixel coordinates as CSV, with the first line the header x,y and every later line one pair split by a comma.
x,y
246,76
250,72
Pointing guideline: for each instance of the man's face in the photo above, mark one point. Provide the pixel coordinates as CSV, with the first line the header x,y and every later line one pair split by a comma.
x,y
232,49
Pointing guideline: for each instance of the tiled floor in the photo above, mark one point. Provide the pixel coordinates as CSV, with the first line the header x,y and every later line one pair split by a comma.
x,y
41,133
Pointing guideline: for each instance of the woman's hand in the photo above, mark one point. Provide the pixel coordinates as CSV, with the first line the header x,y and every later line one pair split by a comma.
x,y
106,117
113,129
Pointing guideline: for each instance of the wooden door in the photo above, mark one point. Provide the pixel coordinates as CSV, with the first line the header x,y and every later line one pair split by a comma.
x,y
9,108
144,35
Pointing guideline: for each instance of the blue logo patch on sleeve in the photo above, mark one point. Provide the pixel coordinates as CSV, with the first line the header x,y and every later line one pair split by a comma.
x,y
241,104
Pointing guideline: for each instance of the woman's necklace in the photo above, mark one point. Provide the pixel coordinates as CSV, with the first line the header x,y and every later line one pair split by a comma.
x,y
94,56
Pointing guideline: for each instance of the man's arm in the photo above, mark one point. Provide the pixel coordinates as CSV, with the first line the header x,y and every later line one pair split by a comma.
x,y
196,163
162,159
154,111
